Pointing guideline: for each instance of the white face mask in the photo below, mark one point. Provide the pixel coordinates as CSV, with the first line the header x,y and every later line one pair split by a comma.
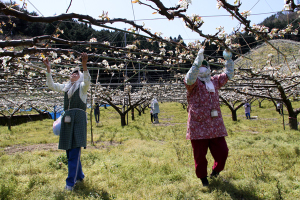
x,y
204,72
205,75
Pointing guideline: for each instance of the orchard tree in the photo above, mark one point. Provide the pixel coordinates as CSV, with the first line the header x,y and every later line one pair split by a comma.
x,y
267,78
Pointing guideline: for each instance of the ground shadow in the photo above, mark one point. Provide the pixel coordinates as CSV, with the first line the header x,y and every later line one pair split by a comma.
x,y
84,191
246,192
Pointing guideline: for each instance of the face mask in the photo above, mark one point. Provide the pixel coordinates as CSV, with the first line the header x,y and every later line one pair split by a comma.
x,y
205,75
204,72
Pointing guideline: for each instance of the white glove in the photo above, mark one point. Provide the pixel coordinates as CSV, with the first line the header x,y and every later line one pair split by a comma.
x,y
227,54
199,59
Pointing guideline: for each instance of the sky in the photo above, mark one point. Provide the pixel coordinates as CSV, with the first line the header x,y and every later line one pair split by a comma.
x,y
213,17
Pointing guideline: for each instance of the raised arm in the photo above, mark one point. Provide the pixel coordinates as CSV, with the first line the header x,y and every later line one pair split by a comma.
x,y
86,76
49,82
84,58
47,64
192,74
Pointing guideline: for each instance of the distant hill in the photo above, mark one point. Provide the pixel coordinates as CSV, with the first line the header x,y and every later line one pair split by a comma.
x,y
261,54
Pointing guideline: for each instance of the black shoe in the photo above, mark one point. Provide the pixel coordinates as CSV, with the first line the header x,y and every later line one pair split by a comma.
x,y
214,174
204,181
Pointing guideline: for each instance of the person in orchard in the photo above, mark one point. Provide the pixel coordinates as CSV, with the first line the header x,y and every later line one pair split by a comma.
x,y
97,112
73,133
205,126
247,107
155,109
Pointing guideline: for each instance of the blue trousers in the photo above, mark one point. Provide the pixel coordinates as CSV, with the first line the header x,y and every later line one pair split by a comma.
x,y
247,115
74,166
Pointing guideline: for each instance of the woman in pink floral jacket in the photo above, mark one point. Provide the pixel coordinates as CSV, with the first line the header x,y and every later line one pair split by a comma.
x,y
205,126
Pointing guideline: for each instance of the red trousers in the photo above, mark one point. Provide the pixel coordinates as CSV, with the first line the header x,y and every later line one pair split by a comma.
x,y
219,150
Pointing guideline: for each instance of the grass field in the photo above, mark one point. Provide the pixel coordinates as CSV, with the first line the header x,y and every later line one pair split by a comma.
x,y
147,161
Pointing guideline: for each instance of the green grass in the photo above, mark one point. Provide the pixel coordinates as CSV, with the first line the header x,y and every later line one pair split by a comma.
x,y
146,161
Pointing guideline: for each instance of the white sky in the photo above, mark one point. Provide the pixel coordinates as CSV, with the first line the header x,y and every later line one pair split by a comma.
x,y
124,9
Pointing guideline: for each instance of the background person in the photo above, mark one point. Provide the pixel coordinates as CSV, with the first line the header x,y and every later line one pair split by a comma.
x,y
247,107
279,107
155,109
205,126
73,133
97,112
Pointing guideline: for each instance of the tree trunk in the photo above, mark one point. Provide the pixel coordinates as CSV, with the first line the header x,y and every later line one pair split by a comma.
x,y
123,121
132,113
292,115
293,121
9,123
139,110
234,116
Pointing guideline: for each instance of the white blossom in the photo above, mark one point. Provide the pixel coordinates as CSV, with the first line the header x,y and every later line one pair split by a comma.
x,y
184,3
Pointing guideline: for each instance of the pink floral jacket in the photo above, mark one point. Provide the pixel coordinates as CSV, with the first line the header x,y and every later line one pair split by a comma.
x,y
200,124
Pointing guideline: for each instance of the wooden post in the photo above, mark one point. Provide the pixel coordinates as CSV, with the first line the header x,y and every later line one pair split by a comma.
x,y
278,56
95,92
91,116
127,109
283,118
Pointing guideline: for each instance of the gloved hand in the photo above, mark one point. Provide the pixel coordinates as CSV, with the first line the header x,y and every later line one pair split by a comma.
x,y
192,74
227,54
199,59
229,64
